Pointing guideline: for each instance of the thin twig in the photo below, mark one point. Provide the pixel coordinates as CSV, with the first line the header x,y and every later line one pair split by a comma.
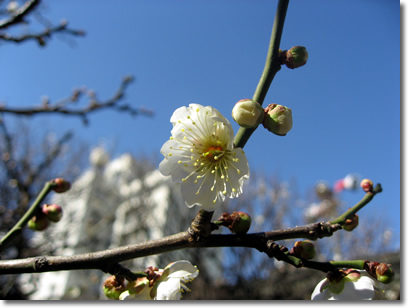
x,y
65,106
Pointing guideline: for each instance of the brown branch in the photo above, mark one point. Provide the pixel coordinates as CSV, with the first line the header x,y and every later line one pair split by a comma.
x,y
64,106
102,260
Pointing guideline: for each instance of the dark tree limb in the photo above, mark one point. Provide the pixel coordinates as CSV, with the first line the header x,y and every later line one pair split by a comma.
x,y
19,15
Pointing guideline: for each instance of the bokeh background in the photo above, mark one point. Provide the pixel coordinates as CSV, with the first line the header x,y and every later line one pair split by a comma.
x,y
345,101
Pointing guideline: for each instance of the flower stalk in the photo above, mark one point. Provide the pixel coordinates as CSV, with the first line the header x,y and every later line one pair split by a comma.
x,y
17,229
350,213
272,66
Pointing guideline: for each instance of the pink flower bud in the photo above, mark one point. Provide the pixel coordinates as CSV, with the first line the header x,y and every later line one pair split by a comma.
x,y
367,185
52,211
278,119
59,185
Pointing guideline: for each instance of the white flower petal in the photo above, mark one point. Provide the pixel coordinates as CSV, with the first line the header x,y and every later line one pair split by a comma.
x,y
364,288
319,294
182,269
201,156
169,290
170,285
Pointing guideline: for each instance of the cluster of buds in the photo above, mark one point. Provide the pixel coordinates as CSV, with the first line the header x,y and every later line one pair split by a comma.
x,y
153,283
275,118
48,213
295,57
237,222
303,249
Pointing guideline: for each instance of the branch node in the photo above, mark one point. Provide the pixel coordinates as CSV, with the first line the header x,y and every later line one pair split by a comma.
x,y
40,264
201,226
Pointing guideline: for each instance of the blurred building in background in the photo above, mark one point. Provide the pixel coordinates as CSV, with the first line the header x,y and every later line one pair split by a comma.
x,y
113,204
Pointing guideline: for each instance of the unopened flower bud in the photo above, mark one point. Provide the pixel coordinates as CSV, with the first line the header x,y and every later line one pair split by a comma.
x,y
52,211
38,222
351,223
237,222
295,57
278,119
367,185
304,249
385,273
241,224
113,287
59,185
248,113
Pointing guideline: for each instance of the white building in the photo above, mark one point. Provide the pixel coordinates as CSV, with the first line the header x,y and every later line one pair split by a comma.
x,y
113,204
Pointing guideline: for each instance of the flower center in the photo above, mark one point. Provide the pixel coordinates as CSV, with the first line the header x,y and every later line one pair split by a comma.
x,y
214,153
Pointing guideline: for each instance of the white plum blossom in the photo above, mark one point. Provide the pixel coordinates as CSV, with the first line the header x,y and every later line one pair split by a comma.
x,y
168,286
357,285
201,156
172,281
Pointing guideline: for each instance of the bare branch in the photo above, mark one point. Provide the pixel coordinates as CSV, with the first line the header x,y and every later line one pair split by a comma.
x,y
102,259
64,106
40,37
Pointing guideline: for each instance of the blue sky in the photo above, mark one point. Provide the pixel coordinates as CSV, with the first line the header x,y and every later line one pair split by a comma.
x,y
345,100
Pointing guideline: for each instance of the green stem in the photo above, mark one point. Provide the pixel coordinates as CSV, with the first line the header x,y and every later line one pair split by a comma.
x,y
272,66
367,198
332,265
27,216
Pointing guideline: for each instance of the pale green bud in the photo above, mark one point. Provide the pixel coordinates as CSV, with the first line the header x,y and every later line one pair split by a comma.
x,y
278,119
248,113
385,273
38,222
241,222
304,249
351,223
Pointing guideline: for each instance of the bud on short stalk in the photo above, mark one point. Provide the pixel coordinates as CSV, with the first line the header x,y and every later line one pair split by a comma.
x,y
295,57
278,119
248,113
351,223
59,185
237,222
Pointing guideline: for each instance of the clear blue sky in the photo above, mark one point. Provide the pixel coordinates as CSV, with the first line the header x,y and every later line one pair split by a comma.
x,y
345,100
